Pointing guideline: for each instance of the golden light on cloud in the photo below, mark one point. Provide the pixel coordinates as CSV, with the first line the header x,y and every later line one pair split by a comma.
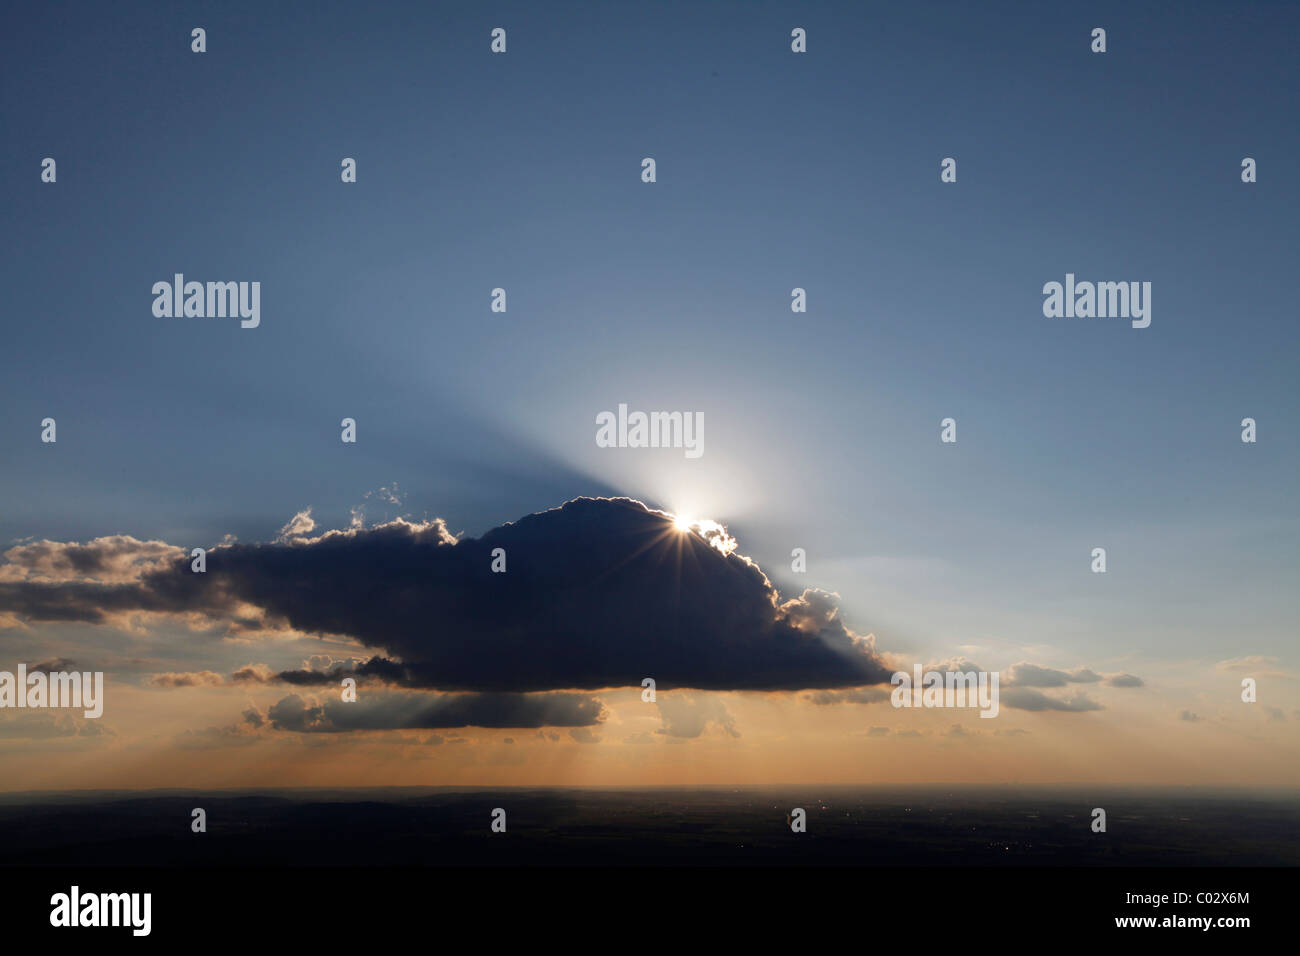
x,y
711,531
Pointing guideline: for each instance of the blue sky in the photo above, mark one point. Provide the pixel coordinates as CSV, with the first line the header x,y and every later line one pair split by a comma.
x,y
775,170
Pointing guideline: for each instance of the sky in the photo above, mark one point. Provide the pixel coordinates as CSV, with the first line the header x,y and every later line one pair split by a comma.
x,y
775,170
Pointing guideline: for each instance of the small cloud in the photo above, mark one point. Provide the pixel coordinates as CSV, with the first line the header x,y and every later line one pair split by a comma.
x,y
299,525
1255,665
1026,698
856,695
1188,716
583,735
1025,674
1125,680
186,679
393,495
1245,663
954,664
687,715
252,673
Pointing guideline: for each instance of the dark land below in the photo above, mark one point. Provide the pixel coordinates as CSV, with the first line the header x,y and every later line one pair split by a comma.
x,y
977,827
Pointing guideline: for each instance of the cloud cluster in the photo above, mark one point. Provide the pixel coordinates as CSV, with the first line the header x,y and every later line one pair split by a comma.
x,y
1020,681
113,559
1018,686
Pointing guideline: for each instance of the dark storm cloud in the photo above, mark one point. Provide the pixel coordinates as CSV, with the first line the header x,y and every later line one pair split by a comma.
x,y
598,593
430,712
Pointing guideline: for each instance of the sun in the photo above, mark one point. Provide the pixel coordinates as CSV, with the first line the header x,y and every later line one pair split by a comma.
x,y
712,532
